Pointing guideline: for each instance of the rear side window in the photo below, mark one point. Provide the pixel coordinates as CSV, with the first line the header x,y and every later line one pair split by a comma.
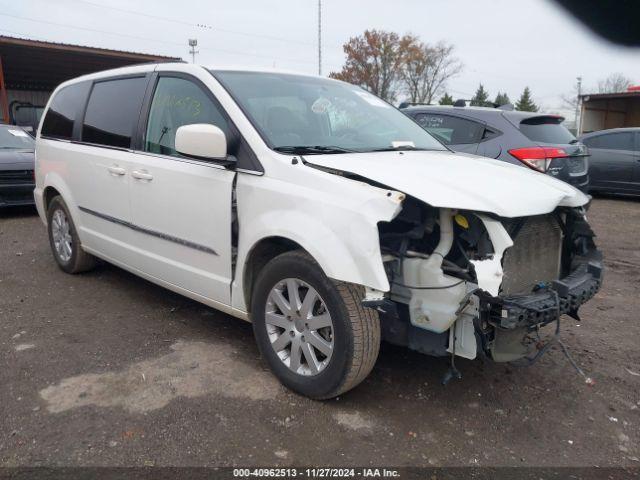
x,y
112,111
451,130
546,129
612,141
65,107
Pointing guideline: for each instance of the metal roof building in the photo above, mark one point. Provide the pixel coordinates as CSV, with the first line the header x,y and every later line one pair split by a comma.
x,y
31,69
602,111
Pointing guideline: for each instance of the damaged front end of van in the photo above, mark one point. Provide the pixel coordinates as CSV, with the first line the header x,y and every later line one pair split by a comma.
x,y
469,283
477,263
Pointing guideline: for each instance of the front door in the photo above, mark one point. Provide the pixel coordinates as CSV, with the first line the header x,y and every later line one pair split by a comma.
x,y
613,162
181,207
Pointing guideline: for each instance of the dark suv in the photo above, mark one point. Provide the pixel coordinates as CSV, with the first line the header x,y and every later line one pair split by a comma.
x,y
530,139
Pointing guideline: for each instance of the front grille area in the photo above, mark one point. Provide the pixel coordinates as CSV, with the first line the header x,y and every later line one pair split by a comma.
x,y
535,255
16,176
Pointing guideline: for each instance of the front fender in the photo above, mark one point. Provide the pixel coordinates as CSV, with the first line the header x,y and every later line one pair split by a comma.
x,y
341,234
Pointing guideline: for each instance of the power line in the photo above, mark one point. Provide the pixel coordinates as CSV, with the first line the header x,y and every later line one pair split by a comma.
x,y
192,24
167,42
142,14
93,30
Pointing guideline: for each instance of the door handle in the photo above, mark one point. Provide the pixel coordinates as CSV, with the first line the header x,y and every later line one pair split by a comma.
x,y
142,175
116,170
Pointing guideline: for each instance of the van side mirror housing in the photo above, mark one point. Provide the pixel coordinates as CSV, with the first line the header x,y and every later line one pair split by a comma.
x,y
201,140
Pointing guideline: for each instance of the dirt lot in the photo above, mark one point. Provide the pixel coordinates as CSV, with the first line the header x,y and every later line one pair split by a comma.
x,y
108,369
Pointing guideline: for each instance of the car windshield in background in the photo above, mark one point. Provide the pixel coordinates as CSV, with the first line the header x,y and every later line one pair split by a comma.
x,y
546,129
15,138
308,115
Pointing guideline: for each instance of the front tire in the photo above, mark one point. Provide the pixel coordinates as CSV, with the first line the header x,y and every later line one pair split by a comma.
x,y
64,240
314,333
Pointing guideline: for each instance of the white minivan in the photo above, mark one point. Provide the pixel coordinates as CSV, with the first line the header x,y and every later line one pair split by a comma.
x,y
313,209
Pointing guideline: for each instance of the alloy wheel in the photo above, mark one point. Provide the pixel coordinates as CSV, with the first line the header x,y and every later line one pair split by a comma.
x,y
299,326
61,233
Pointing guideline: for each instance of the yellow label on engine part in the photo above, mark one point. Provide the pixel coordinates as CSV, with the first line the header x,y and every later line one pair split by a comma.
x,y
462,221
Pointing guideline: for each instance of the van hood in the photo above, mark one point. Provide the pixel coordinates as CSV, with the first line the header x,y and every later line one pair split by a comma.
x,y
460,181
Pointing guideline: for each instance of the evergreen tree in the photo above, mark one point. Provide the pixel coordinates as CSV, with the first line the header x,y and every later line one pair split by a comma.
x,y
446,99
501,99
525,104
481,98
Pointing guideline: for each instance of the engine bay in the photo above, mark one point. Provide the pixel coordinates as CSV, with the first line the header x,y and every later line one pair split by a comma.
x,y
467,282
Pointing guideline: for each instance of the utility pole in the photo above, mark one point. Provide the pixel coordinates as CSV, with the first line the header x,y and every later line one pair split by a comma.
x,y
319,37
577,114
193,43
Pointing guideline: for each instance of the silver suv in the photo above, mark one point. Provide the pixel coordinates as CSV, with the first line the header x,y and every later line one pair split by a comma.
x,y
537,141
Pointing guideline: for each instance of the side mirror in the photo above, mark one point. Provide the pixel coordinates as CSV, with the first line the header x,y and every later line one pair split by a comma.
x,y
201,140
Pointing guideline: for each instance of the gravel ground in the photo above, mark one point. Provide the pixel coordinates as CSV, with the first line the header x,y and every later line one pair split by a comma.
x,y
107,369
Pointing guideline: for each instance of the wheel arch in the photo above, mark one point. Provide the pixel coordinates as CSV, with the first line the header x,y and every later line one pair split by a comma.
x,y
261,253
54,185
47,195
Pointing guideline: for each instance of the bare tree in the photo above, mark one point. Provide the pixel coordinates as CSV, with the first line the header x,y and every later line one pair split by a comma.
x,y
570,100
426,69
614,83
373,62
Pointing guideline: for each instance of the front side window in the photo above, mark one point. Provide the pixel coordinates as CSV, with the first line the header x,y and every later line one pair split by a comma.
x,y
65,107
320,115
177,102
113,111
451,130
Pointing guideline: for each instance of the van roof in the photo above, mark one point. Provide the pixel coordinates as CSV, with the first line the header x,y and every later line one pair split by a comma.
x,y
150,67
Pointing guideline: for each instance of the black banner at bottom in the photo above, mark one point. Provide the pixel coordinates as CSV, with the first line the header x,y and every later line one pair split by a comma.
x,y
314,473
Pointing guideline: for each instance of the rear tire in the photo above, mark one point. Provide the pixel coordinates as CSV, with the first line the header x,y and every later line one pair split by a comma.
x,y
64,241
333,318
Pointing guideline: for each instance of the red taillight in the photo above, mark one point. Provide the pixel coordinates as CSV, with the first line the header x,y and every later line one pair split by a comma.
x,y
538,158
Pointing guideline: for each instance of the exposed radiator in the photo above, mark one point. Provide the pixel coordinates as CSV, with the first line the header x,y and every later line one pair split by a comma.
x,y
535,255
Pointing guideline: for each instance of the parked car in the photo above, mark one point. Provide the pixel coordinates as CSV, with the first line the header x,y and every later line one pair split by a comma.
x,y
309,207
615,160
16,166
537,141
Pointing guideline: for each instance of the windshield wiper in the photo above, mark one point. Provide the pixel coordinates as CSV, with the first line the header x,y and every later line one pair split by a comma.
x,y
399,148
311,149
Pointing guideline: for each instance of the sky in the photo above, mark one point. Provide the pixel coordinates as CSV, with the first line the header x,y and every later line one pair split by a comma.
x,y
504,44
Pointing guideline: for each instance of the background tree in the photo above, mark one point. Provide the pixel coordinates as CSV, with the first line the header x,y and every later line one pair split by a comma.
x,y
570,100
481,97
446,99
373,62
525,103
425,69
614,83
502,99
